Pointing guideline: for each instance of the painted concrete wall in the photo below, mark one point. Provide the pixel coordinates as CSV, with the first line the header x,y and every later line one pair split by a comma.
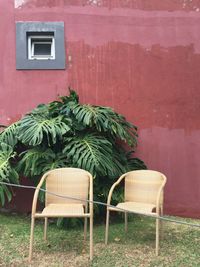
x,y
140,57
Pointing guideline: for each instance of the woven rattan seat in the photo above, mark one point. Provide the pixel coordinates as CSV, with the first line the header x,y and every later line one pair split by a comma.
x,y
135,207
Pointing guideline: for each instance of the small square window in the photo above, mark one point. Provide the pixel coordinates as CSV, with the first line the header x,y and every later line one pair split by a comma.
x,y
41,47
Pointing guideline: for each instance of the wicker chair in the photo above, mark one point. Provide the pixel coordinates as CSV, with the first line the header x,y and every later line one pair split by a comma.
x,y
69,182
143,194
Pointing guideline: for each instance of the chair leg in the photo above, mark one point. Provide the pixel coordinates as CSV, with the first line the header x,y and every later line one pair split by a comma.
x,y
45,227
31,239
157,236
107,226
126,221
161,223
91,237
85,223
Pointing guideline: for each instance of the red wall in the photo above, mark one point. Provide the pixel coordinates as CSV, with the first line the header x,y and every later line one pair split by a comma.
x,y
140,57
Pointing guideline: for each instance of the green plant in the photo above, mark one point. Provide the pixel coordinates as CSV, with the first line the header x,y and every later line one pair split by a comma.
x,y
68,133
7,172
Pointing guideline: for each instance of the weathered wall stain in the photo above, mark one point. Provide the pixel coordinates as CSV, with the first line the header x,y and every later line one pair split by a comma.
x,y
170,5
140,57
152,87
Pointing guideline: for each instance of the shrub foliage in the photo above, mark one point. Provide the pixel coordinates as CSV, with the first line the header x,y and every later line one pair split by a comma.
x,y
66,133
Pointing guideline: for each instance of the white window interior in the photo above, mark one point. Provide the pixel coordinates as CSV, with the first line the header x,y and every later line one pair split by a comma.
x,y
41,47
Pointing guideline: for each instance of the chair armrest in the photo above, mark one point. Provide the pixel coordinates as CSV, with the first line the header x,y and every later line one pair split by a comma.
x,y
113,187
35,197
159,195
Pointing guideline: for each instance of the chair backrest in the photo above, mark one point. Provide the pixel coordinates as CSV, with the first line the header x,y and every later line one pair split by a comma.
x,y
144,186
70,182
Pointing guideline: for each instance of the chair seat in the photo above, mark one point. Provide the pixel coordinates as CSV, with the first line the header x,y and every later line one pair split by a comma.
x,y
135,207
62,210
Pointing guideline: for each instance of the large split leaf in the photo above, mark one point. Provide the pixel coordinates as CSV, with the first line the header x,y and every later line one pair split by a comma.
x,y
64,102
90,152
7,172
33,161
9,135
34,128
134,163
59,160
5,193
38,160
104,119
6,153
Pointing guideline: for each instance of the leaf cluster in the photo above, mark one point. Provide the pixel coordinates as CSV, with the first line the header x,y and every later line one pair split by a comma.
x,y
68,133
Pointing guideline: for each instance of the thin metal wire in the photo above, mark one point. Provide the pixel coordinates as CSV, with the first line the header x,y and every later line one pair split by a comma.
x,y
164,218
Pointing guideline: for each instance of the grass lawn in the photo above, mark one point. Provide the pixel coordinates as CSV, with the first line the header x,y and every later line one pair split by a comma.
x,y
65,247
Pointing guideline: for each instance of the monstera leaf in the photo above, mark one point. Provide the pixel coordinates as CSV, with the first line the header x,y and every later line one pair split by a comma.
x,y
34,128
64,102
104,119
91,152
6,153
33,161
134,163
5,193
38,160
7,172
9,135
59,160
